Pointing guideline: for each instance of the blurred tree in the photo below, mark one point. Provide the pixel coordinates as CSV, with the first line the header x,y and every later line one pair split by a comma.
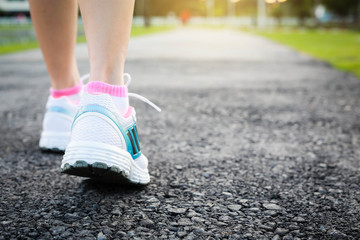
x,y
196,7
142,8
302,9
358,14
343,8
164,7
221,8
277,11
246,8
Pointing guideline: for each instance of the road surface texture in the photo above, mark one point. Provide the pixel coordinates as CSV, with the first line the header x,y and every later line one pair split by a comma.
x,y
255,141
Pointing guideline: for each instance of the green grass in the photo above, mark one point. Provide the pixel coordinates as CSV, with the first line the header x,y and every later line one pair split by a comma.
x,y
17,47
340,48
16,27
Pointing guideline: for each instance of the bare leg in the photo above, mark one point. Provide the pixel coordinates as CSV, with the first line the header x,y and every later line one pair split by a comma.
x,y
107,28
55,24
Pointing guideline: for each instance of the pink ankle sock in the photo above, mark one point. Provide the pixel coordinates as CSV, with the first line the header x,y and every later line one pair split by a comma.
x,y
66,91
119,94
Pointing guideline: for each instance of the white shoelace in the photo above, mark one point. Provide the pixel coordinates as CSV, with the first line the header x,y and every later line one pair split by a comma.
x,y
127,79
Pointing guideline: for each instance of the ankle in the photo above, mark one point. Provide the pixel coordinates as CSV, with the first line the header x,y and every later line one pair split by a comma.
x,y
111,74
64,80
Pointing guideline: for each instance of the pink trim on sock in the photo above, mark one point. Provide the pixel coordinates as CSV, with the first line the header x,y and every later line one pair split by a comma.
x,y
129,112
67,91
112,90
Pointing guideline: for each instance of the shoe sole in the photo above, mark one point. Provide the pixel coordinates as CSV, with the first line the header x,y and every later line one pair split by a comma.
x,y
97,171
102,162
53,141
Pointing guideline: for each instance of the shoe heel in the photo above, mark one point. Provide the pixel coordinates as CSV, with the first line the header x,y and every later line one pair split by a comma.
x,y
96,160
54,141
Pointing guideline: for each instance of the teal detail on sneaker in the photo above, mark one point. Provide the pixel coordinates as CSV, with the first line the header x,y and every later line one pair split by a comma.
x,y
59,109
104,111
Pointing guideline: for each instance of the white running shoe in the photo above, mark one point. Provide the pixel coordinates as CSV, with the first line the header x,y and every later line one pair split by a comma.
x,y
56,127
104,144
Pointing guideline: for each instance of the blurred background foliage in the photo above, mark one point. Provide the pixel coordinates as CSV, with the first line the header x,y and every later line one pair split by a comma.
x,y
345,12
325,29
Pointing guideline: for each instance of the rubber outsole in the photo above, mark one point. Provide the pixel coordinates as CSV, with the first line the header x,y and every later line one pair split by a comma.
x,y
54,150
54,141
98,171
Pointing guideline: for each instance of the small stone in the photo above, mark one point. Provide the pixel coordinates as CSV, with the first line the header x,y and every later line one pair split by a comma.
x,y
293,227
197,219
147,223
6,222
178,167
184,222
276,237
84,233
66,234
199,231
288,237
197,194
120,234
243,201
281,231
182,234
225,218
269,226
192,213
152,200
254,209
271,206
153,205
197,204
270,213
71,217
227,194
173,228
299,219
116,212
207,175
335,234
57,230
34,234
322,165
142,229
177,210
234,208
101,236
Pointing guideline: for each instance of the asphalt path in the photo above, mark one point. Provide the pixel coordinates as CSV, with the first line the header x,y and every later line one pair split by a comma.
x,y
255,141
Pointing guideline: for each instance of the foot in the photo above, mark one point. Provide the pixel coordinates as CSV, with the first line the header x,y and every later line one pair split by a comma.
x,y
60,112
104,141
59,115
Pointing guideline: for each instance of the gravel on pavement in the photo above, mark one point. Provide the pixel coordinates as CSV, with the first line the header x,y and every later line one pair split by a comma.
x,y
255,141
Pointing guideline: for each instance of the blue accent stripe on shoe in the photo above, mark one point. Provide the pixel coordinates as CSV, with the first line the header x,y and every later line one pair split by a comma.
x,y
104,111
59,109
133,143
137,137
134,140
